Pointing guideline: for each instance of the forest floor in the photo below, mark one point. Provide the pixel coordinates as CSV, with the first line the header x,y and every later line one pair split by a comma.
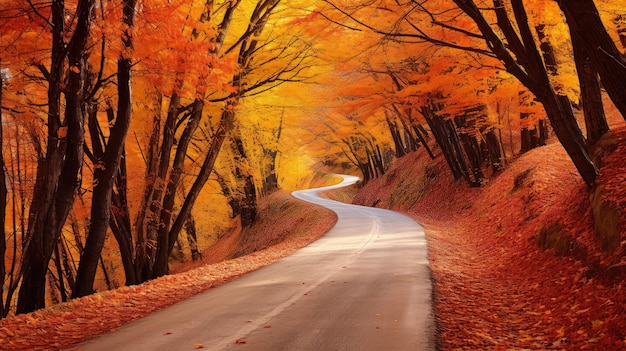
x,y
284,225
516,263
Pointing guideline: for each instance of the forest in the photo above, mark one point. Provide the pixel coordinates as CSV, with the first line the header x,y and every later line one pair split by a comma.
x,y
137,133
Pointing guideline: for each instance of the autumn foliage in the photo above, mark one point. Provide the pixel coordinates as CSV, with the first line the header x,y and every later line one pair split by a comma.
x,y
139,134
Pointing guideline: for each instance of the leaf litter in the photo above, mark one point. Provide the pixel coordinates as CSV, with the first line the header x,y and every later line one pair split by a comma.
x,y
496,286
64,325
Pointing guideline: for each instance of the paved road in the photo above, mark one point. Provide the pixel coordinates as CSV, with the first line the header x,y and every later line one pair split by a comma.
x,y
364,286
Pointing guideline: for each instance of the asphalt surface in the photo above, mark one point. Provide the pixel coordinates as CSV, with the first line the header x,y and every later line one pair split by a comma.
x,y
365,285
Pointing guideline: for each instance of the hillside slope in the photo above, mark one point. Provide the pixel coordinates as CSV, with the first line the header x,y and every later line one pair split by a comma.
x,y
516,263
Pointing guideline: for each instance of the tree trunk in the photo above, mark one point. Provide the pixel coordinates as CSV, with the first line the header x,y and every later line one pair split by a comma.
x,y
494,148
3,204
192,238
244,180
439,134
224,126
107,168
590,92
270,179
529,69
152,163
247,49
58,175
584,21
422,139
447,139
470,146
163,244
397,140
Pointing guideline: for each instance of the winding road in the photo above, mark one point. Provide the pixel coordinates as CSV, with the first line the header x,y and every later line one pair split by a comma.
x,y
365,285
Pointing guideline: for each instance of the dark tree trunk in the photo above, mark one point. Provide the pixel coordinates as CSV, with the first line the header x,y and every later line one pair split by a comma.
x,y
397,140
458,156
528,142
494,148
163,244
471,148
224,126
440,137
584,21
120,224
378,157
107,277
590,92
58,174
528,67
3,205
152,165
192,238
270,181
107,168
447,139
68,266
245,189
412,142
543,132
228,194
422,139
547,50
56,258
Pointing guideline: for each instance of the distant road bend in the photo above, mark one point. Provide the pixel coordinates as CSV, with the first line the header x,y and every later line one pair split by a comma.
x,y
365,285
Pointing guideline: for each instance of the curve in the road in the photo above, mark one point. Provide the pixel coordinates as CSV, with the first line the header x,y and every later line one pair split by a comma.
x,y
365,285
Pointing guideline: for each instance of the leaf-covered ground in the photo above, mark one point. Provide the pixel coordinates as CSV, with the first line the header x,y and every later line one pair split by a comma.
x,y
516,263
284,225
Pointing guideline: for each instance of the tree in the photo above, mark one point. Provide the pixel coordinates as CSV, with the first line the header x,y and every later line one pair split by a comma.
x,y
587,29
108,163
3,201
58,173
513,45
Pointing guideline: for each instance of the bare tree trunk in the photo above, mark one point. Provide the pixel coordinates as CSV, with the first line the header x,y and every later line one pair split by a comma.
x,y
270,179
471,148
3,205
224,126
244,180
529,69
108,167
584,21
165,215
59,173
192,238
395,136
152,162
590,92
